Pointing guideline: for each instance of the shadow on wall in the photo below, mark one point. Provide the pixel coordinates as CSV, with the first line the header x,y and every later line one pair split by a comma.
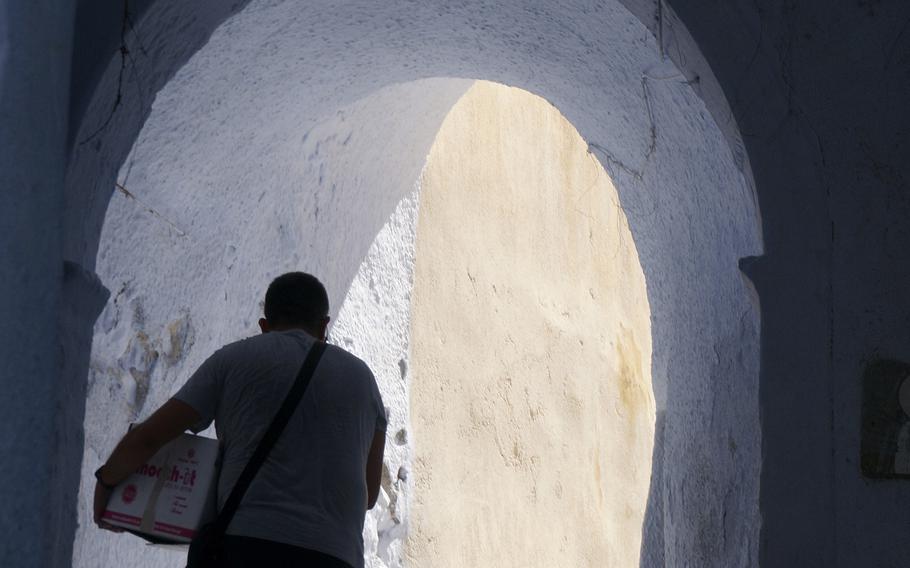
x,y
184,287
652,530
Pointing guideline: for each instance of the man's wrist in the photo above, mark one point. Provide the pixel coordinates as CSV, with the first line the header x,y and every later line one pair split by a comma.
x,y
99,476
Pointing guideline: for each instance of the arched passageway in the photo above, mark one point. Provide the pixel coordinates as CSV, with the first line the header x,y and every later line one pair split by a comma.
x,y
334,110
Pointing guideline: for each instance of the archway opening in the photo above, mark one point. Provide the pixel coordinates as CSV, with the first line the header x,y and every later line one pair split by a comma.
x,y
281,149
531,399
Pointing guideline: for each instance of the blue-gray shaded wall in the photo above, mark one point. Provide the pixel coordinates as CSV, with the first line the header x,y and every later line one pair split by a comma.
x,y
82,298
35,44
820,92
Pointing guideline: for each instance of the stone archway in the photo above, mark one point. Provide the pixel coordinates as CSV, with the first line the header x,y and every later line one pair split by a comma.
x,y
273,91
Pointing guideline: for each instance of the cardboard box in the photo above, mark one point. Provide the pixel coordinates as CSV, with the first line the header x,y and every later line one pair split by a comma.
x,y
168,498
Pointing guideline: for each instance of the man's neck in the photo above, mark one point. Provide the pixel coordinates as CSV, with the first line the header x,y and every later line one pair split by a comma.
x,y
309,332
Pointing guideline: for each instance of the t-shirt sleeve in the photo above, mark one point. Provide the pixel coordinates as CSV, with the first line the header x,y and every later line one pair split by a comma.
x,y
202,390
382,419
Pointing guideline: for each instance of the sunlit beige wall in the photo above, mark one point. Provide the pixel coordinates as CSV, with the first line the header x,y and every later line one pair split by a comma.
x,y
531,401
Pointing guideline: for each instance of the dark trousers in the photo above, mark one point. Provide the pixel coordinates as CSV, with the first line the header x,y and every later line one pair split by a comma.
x,y
248,552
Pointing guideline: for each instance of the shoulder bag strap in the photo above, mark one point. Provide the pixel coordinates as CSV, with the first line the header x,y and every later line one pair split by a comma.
x,y
271,436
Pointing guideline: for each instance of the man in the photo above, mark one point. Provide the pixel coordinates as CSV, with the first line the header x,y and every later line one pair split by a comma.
x,y
306,505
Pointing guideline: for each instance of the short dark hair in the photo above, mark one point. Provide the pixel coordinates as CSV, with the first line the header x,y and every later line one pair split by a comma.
x,y
296,298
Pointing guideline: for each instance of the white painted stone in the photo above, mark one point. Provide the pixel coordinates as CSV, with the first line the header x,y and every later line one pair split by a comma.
x,y
234,183
183,285
374,324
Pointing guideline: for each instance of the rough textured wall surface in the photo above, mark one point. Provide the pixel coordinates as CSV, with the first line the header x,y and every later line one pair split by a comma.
x,y
820,91
531,397
187,269
374,324
254,115
35,52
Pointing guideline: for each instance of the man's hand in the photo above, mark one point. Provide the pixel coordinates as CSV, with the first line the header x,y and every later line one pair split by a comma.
x,y
102,496
139,444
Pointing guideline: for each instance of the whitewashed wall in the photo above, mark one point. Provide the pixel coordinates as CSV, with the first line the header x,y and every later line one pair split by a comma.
x,y
374,324
254,161
189,273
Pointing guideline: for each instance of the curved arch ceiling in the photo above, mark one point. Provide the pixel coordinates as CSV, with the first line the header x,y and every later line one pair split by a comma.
x,y
295,119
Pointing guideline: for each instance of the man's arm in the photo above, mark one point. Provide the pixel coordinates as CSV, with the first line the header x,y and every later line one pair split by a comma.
x,y
374,467
142,442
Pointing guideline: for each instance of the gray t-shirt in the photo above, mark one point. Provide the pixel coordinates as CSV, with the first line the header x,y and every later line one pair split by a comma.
x,y
311,491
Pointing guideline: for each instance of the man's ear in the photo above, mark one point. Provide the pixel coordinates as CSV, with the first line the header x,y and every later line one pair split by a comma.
x,y
324,332
264,325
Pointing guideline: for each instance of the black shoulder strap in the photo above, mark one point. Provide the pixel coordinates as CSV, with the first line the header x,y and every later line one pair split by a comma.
x,y
271,436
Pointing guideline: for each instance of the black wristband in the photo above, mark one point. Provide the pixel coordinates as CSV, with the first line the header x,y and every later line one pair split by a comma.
x,y
101,481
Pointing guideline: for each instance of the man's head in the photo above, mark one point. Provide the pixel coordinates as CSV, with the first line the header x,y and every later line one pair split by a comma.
x,y
296,300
